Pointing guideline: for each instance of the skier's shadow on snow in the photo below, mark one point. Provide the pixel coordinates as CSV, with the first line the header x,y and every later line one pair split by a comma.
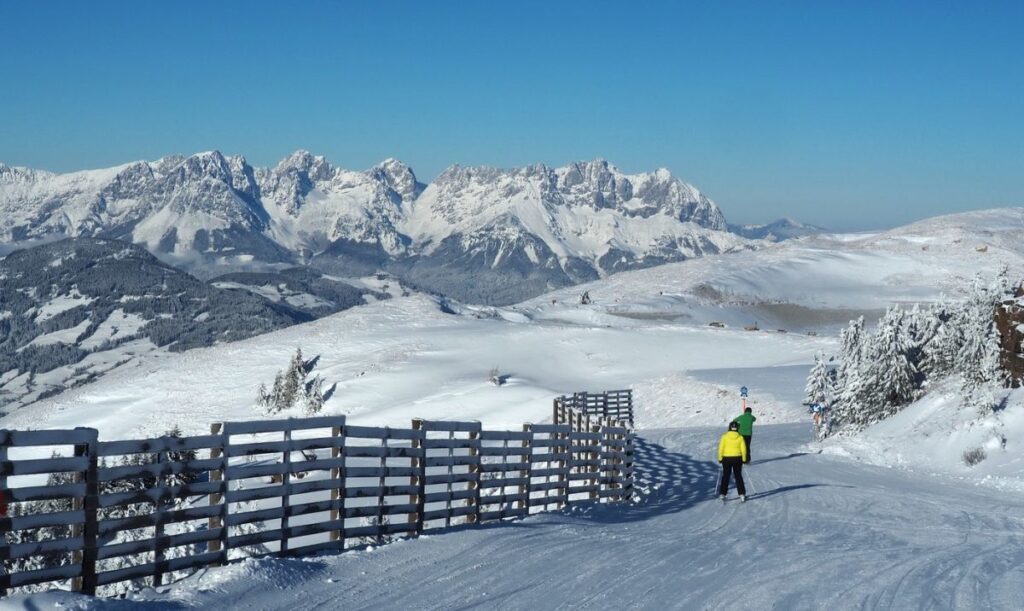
x,y
783,489
765,460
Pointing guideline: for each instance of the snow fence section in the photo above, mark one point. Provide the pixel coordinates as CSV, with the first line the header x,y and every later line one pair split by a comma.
x,y
105,517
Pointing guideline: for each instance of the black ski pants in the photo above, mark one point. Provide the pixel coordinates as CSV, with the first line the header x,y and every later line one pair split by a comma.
x,y
746,438
732,465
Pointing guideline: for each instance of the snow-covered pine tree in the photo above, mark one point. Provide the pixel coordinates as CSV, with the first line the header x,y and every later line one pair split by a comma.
x,y
276,401
263,397
851,347
892,368
978,357
292,386
848,374
919,331
820,382
940,352
293,381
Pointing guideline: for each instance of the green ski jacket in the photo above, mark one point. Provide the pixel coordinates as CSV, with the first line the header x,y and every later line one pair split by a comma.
x,y
746,422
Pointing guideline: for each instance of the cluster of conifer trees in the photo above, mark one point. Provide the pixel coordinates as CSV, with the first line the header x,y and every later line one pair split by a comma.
x,y
879,372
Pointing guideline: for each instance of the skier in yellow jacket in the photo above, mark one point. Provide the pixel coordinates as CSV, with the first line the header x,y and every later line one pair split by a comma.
x,y
732,453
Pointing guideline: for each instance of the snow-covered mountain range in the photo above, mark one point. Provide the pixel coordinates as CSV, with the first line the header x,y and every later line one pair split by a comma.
x,y
480,234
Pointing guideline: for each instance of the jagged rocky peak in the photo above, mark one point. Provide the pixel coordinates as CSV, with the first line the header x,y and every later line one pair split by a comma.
x,y
209,180
131,182
457,176
209,163
16,174
398,177
168,163
314,167
596,183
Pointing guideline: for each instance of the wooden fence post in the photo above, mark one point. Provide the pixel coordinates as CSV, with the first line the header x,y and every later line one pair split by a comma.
x,y
629,465
572,446
158,527
595,457
8,509
338,491
617,461
564,465
449,486
220,544
90,503
382,518
286,487
474,468
527,455
419,478
604,459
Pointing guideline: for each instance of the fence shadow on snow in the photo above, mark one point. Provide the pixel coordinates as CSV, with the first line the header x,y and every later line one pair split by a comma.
x,y
666,482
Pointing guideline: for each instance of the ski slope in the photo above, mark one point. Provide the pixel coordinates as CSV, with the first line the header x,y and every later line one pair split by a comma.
x,y
817,532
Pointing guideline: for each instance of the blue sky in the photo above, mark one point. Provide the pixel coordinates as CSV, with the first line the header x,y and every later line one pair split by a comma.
x,y
847,114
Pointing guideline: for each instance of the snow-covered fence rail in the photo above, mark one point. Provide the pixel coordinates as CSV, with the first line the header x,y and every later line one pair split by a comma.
x,y
96,514
614,404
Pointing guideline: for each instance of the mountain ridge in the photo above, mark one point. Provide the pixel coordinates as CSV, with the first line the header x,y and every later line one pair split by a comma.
x,y
481,226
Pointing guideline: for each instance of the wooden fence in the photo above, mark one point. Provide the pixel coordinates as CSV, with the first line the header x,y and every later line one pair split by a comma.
x,y
614,404
94,513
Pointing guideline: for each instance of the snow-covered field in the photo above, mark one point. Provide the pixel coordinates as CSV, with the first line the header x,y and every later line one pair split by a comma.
x,y
841,528
388,362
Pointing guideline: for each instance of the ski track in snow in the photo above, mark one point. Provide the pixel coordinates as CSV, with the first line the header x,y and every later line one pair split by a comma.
x,y
817,532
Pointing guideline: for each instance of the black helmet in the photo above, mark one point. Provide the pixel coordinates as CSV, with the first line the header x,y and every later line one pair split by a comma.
x,y
734,426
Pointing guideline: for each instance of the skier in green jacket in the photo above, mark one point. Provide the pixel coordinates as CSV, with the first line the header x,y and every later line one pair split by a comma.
x,y
746,422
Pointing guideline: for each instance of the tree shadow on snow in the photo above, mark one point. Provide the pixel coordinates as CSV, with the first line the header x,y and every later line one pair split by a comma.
x,y
330,391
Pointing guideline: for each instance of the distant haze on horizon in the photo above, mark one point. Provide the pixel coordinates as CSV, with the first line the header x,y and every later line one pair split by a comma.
x,y
855,117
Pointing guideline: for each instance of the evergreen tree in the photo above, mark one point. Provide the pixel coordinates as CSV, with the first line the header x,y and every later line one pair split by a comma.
x,y
820,383
977,360
293,381
848,385
892,370
263,397
291,387
276,401
939,357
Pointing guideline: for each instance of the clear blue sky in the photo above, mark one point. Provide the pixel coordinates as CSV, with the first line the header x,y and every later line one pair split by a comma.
x,y
846,114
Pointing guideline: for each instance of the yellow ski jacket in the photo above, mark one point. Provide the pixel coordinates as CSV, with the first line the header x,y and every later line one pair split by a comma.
x,y
732,444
